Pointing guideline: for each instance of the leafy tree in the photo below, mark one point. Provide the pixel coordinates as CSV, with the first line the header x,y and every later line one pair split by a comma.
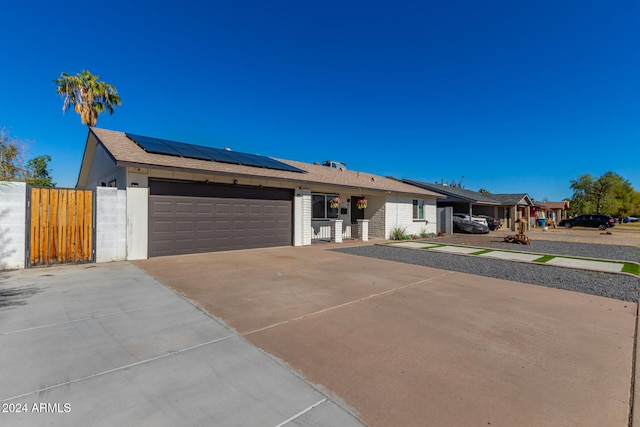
x,y
34,172
635,205
11,150
608,193
37,172
88,95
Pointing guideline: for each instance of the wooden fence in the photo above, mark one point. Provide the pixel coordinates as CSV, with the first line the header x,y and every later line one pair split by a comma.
x,y
60,226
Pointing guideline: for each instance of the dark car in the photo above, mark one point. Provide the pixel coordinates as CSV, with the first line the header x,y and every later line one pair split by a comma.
x,y
465,226
591,220
493,223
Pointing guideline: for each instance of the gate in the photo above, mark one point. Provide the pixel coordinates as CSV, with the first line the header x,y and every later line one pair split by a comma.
x,y
60,226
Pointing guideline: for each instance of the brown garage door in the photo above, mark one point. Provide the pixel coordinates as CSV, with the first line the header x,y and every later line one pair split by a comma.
x,y
187,218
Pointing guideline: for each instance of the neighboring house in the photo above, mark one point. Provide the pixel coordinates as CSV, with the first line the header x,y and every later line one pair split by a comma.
x,y
508,208
514,207
194,199
556,211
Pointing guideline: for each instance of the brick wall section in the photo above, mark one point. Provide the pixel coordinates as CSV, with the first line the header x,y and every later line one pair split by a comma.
x,y
375,213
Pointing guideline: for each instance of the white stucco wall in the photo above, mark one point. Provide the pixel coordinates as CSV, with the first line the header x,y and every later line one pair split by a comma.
x,y
103,169
13,219
111,224
137,223
137,177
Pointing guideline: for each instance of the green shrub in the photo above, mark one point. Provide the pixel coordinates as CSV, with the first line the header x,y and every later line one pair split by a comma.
x,y
398,233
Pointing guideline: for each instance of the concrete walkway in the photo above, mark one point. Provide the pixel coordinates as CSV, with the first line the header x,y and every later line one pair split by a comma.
x,y
107,345
558,261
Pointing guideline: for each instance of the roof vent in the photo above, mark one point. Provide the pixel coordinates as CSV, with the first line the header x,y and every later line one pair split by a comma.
x,y
227,149
334,164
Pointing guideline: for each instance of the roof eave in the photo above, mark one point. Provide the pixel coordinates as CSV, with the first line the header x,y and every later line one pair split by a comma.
x,y
281,179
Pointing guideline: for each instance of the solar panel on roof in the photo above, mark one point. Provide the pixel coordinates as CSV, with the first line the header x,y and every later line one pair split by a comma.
x,y
219,154
201,152
157,146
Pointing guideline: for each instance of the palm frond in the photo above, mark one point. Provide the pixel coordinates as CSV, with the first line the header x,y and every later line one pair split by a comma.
x,y
88,95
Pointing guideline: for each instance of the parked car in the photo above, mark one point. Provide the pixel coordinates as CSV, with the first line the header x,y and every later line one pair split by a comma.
x,y
630,219
493,223
467,217
461,225
591,220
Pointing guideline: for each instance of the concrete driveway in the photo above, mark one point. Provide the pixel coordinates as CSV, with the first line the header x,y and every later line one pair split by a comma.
x,y
406,345
106,345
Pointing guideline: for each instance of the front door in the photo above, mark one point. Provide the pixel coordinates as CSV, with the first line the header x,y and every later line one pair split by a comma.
x,y
356,213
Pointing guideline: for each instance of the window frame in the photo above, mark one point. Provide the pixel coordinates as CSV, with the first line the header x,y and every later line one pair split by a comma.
x,y
329,213
418,209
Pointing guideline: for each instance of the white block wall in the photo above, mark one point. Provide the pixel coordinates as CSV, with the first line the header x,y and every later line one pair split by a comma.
x,y
111,224
13,219
399,213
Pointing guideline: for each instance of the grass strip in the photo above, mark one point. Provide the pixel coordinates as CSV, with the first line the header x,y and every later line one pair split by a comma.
x,y
482,251
631,267
627,267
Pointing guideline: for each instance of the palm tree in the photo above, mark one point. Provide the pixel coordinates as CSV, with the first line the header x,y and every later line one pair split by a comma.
x,y
88,95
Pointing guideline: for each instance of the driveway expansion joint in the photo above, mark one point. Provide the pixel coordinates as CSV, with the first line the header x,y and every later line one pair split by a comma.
x,y
348,303
119,368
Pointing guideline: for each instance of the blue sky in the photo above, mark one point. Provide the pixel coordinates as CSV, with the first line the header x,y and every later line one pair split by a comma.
x,y
513,96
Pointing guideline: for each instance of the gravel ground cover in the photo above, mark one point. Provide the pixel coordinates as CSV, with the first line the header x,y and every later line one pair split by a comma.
x,y
550,247
618,286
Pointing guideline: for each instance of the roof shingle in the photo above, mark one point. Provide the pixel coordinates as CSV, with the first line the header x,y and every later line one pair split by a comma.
x,y
127,153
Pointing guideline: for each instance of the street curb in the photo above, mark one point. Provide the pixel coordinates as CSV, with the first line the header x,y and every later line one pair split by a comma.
x,y
634,398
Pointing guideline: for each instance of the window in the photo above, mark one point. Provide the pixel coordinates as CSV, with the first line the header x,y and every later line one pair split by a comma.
x,y
418,209
320,208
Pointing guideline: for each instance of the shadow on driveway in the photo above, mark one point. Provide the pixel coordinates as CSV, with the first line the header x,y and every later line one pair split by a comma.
x,y
16,296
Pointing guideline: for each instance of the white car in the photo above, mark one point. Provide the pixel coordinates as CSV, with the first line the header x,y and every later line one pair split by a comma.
x,y
477,219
